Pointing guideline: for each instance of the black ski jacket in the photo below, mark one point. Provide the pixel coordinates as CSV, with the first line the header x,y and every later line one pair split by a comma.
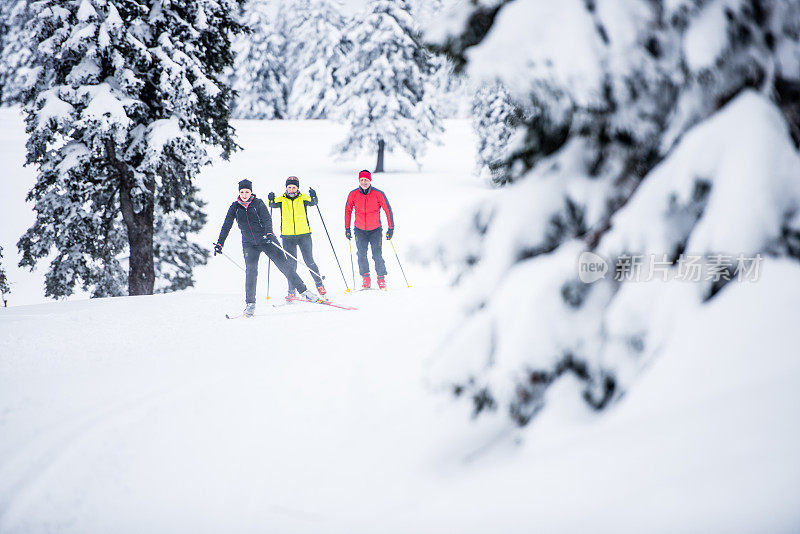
x,y
253,220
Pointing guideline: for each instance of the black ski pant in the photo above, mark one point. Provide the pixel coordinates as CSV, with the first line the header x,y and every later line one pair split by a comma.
x,y
291,244
371,238
251,255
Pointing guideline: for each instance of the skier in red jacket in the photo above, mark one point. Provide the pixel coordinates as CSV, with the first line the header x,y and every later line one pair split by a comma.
x,y
367,203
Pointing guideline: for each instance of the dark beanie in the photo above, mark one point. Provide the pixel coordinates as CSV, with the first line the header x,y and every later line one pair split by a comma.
x,y
246,184
293,180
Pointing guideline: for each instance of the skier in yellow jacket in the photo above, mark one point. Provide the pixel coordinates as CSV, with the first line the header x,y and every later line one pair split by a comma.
x,y
295,230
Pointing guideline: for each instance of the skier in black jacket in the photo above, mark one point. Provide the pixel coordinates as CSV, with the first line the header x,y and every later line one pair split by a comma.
x,y
254,221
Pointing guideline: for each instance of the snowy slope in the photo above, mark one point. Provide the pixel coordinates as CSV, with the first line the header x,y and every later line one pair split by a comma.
x,y
156,414
152,413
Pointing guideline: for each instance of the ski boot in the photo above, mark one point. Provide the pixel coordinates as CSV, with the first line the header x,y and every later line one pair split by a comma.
x,y
321,290
366,283
382,283
250,309
311,296
291,295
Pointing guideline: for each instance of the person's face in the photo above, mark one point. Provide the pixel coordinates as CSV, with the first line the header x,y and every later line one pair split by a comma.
x,y
291,190
364,182
244,194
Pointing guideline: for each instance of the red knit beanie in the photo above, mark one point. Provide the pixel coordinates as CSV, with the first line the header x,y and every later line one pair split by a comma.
x,y
365,174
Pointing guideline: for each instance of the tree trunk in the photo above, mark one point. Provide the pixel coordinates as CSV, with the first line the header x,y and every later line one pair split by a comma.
x,y
379,165
140,227
141,270
788,96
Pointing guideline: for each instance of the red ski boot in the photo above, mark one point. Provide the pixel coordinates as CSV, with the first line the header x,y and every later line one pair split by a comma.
x,y
321,290
382,282
366,283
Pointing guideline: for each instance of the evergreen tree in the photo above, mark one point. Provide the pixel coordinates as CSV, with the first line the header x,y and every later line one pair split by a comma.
x,y
453,94
385,78
290,17
4,288
318,53
621,151
16,72
173,253
260,71
495,117
126,99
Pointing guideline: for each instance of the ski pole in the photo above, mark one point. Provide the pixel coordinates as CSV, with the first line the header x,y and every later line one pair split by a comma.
x,y
398,263
295,259
333,249
233,261
350,242
269,261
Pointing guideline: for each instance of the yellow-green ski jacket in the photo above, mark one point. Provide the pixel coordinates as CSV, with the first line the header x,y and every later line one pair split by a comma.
x,y
294,217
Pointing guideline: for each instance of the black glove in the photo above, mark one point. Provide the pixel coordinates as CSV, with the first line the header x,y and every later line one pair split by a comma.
x,y
389,233
270,238
271,197
217,248
347,233
312,193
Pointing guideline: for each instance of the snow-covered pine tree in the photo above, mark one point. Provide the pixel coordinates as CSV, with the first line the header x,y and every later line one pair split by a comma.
x,y
4,288
5,28
315,88
495,117
291,15
174,253
16,72
453,95
260,71
126,99
665,129
385,78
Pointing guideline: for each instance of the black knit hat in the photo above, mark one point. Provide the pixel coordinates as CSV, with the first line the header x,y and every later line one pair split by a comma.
x,y
246,184
293,180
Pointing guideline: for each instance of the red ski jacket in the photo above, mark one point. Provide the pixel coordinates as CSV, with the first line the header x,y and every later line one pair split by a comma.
x,y
367,205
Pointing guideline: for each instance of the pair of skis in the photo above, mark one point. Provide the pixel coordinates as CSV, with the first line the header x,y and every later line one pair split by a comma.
x,y
300,299
323,302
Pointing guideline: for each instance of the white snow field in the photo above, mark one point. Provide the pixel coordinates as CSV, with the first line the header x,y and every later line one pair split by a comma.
x,y
156,414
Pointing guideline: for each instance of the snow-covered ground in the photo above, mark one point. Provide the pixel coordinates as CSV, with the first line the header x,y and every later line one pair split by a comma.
x,y
156,414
